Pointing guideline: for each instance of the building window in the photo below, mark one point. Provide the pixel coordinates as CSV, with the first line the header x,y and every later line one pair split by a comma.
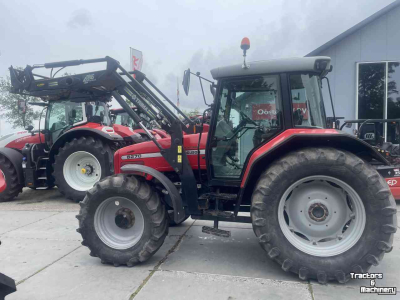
x,y
378,95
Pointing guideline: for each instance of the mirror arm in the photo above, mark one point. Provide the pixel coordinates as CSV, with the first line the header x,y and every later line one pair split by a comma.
x,y
198,75
202,90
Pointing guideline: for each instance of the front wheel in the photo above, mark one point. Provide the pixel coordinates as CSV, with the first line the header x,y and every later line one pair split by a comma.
x,y
79,164
323,213
122,220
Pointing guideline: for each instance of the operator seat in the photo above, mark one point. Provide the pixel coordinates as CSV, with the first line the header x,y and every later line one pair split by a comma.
x,y
223,147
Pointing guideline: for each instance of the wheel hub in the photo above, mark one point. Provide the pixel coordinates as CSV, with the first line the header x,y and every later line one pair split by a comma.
x,y
318,212
87,170
81,170
119,222
124,218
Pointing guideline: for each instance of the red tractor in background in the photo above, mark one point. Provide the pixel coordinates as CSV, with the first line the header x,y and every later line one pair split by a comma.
x,y
317,203
75,148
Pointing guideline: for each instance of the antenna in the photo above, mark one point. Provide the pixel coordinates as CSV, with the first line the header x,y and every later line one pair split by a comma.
x,y
245,45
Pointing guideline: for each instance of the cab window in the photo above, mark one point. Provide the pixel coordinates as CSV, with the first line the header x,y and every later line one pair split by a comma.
x,y
249,114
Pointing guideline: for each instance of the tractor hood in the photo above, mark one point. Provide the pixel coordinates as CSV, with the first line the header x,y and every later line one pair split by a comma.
x,y
18,139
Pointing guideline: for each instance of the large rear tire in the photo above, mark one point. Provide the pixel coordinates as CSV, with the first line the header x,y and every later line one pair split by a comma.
x,y
79,164
122,220
9,185
323,213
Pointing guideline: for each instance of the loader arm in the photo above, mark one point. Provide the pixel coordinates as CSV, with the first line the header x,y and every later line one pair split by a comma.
x,y
108,82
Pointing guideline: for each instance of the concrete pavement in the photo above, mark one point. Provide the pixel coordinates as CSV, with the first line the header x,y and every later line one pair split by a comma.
x,y
42,251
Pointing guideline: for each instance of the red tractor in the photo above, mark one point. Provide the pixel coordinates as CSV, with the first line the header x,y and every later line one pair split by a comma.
x,y
73,151
318,207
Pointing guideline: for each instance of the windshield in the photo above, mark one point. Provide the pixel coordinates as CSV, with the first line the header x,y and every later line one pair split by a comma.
x,y
307,102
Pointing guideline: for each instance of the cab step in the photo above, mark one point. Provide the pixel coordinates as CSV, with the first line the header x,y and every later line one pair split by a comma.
x,y
216,231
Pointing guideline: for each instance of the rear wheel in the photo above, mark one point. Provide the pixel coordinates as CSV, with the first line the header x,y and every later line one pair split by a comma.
x,y
122,220
323,213
79,164
9,185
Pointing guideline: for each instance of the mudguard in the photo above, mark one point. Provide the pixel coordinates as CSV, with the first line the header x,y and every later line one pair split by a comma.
x,y
293,139
78,132
179,212
15,158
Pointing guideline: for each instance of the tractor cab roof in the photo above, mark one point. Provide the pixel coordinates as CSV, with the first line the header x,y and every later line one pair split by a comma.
x,y
317,64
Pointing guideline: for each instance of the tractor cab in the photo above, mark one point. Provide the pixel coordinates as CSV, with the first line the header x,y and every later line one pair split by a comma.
x,y
254,105
120,116
62,115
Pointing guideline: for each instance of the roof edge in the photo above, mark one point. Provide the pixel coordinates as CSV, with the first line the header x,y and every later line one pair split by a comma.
x,y
353,29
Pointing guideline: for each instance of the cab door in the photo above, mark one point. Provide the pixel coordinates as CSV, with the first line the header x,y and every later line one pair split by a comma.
x,y
248,113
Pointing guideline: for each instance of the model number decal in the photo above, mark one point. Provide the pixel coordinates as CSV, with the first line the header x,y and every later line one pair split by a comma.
x,y
133,156
191,152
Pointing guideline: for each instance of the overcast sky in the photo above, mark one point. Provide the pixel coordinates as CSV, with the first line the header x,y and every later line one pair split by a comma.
x,y
173,35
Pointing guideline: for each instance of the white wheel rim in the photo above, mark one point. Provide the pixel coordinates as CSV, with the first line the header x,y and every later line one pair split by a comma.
x,y
321,216
81,170
119,223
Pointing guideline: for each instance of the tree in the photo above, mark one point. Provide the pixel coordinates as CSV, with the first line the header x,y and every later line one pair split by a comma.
x,y
9,106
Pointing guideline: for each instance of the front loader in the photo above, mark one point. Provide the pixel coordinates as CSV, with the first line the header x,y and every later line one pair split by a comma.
x,y
75,148
317,207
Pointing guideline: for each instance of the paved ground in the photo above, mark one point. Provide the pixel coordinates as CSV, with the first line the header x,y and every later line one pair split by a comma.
x,y
42,251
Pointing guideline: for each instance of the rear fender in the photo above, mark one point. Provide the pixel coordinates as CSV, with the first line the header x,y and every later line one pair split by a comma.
x,y
15,157
270,152
179,212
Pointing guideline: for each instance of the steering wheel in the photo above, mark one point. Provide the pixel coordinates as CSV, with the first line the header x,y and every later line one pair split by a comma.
x,y
247,119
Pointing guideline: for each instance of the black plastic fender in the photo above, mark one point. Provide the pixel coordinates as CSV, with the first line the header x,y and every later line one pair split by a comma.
x,y
179,212
15,157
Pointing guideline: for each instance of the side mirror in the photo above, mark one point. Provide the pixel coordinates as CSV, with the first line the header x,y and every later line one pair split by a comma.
x,y
212,90
29,128
186,81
